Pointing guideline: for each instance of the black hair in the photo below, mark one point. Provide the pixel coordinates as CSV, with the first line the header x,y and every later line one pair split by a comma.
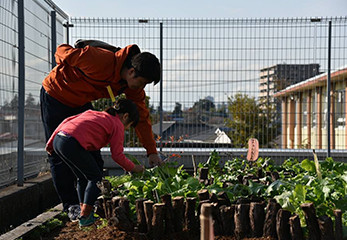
x,y
146,65
125,106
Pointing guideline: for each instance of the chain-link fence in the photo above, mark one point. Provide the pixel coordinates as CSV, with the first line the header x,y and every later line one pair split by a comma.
x,y
227,80
224,81
37,26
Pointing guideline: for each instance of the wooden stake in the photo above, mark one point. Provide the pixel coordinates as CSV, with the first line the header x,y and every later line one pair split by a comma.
x,y
148,209
140,215
227,217
158,220
257,218
203,194
124,222
168,216
206,222
217,220
108,209
105,187
295,228
223,195
191,219
99,203
203,174
326,228
282,224
311,220
178,212
213,198
125,204
241,216
270,219
338,224
199,206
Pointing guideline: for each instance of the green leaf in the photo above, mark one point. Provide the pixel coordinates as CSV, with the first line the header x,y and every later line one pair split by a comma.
x,y
284,200
300,193
308,165
274,187
132,158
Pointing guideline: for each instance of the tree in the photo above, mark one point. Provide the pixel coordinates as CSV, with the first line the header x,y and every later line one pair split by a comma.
x,y
202,110
249,120
204,105
177,112
14,102
30,101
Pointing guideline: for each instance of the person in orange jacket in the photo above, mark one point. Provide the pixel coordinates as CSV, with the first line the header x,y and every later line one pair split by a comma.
x,y
82,75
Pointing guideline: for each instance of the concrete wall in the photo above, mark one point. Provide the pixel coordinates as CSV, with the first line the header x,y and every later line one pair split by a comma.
x,y
20,204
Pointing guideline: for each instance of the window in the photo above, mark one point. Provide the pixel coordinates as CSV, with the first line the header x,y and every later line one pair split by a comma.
x,y
304,111
324,109
313,110
340,115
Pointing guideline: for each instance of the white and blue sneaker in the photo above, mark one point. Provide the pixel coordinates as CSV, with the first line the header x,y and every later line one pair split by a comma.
x,y
74,212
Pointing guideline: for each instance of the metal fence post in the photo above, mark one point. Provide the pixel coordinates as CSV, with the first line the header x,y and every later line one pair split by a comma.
x,y
21,93
328,90
161,87
53,37
67,25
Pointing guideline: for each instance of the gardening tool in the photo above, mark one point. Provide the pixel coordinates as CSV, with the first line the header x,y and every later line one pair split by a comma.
x,y
163,157
253,150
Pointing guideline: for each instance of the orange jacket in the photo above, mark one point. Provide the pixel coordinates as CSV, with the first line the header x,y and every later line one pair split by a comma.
x,y
82,75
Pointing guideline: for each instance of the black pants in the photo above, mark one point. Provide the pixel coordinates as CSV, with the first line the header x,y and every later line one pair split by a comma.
x,y
83,164
53,113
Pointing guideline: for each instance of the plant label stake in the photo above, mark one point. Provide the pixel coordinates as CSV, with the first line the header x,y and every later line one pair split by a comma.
x,y
316,163
253,150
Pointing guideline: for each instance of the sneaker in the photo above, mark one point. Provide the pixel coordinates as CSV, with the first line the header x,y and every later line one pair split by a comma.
x,y
74,212
85,221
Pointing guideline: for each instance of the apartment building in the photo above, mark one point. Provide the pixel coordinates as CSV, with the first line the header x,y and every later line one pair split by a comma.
x,y
304,112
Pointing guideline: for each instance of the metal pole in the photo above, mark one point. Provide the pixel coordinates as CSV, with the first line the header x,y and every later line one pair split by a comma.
x,y
161,87
53,37
328,90
21,93
268,107
67,25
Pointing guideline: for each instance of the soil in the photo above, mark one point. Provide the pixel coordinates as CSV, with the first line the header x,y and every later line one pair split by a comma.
x,y
72,231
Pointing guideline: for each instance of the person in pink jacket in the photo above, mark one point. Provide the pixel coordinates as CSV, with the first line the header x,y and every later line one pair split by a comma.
x,y
89,131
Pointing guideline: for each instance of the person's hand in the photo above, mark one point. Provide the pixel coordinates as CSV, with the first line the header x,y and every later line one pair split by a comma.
x,y
138,168
154,160
49,150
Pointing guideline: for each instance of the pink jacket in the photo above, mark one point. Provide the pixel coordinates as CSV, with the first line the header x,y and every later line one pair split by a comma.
x,y
94,130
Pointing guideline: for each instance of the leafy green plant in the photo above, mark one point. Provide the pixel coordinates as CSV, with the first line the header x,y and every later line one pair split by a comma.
x,y
323,183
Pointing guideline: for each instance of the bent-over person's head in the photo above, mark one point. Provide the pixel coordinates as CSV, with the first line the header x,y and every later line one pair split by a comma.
x,y
144,68
127,111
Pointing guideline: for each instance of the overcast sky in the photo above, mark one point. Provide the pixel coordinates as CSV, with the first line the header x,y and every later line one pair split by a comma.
x,y
203,8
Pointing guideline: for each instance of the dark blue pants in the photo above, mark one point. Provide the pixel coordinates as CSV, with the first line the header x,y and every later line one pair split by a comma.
x,y
53,113
83,164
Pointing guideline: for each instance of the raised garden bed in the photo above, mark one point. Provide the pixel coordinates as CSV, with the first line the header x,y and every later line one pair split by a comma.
x,y
297,200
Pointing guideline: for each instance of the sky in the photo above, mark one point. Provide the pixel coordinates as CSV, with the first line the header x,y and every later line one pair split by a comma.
x,y
203,8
